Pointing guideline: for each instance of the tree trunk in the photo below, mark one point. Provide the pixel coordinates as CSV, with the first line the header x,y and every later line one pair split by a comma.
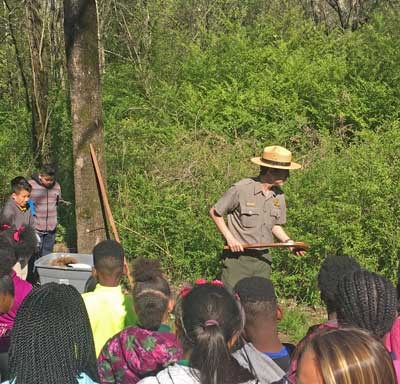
x,y
37,18
81,42
10,31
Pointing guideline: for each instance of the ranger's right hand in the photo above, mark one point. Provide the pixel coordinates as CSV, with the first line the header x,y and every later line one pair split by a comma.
x,y
234,244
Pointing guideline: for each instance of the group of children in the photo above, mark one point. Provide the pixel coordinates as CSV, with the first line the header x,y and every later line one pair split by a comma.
x,y
33,203
204,334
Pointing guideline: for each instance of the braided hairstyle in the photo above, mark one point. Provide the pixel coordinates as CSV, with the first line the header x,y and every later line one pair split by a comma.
x,y
209,318
368,301
333,269
51,341
151,293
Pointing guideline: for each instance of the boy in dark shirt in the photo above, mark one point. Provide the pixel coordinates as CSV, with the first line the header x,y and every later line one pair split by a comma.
x,y
17,213
262,313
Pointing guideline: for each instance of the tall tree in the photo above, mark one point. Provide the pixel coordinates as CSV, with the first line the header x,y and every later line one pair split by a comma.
x,y
347,14
38,14
81,42
14,55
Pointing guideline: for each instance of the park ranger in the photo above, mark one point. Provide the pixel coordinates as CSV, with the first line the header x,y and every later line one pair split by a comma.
x,y
255,210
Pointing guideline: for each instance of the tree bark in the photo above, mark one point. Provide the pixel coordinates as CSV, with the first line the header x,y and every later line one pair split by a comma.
x,y
18,56
81,42
37,18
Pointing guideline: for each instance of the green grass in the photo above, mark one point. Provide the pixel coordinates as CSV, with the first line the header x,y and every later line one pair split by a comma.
x,y
296,321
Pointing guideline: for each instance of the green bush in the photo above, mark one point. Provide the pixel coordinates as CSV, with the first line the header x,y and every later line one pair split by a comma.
x,y
345,203
209,92
15,145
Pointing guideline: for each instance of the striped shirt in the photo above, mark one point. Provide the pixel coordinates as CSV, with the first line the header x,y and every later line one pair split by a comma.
x,y
46,201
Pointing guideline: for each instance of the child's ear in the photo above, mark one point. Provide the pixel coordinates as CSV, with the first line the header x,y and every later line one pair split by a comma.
x,y
231,342
171,304
279,313
94,272
6,302
13,195
178,328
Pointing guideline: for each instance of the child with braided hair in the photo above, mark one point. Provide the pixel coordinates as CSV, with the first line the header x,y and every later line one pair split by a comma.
x,y
392,338
137,352
208,322
368,301
51,340
364,300
332,270
14,245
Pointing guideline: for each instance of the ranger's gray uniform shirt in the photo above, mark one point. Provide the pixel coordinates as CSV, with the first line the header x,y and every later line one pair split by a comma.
x,y
251,214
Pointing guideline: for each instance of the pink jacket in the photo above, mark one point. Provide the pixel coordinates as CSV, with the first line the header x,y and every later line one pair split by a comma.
x,y
21,289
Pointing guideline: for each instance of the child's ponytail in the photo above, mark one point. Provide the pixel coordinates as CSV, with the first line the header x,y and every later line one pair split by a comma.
x,y
210,354
208,320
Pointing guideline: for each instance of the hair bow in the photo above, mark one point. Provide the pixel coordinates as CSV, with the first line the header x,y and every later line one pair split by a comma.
x,y
17,233
186,289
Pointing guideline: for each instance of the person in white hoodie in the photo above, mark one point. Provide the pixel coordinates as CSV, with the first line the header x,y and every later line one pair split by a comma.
x,y
208,322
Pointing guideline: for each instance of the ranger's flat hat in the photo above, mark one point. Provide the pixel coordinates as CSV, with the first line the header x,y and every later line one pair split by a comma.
x,y
276,157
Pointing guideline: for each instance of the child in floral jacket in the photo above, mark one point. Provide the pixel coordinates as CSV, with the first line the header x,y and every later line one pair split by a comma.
x,y
137,352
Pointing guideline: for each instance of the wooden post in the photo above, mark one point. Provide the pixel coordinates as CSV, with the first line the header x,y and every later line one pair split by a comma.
x,y
106,204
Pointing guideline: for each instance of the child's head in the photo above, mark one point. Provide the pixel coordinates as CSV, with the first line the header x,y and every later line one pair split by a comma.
x,y
108,262
16,244
258,299
52,326
8,256
20,191
151,293
208,323
368,301
47,175
345,356
332,270
6,293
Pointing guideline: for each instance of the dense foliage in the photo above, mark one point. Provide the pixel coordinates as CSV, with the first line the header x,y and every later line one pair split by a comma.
x,y
186,110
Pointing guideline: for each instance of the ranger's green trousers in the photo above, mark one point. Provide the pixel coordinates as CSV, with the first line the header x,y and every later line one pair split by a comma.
x,y
236,267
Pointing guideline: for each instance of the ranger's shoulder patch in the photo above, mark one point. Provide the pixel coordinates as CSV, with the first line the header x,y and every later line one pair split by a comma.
x,y
243,182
